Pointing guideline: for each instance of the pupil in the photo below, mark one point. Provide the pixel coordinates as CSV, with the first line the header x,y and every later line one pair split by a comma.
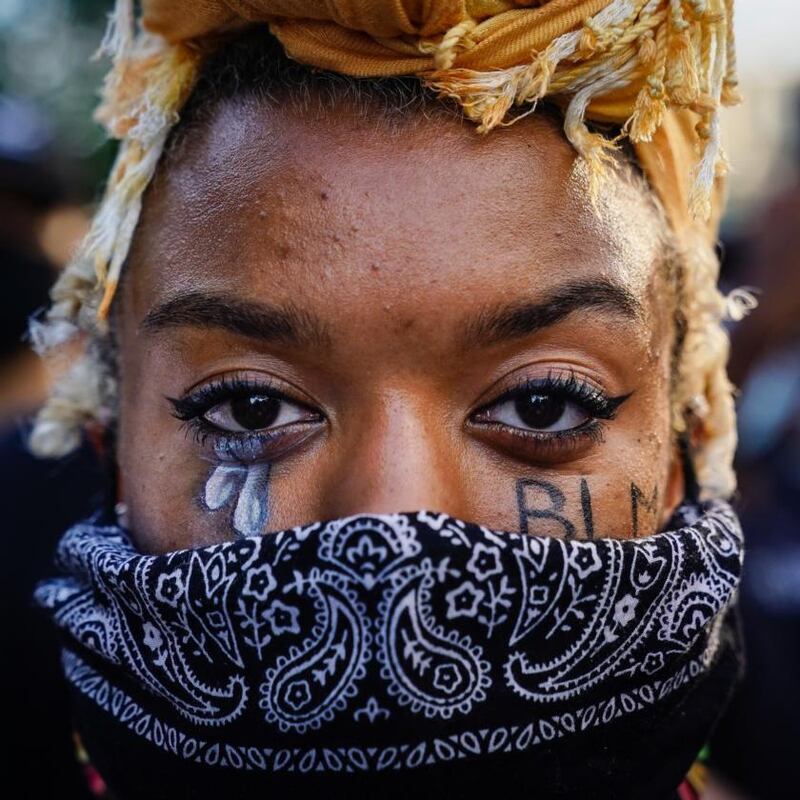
x,y
255,412
539,410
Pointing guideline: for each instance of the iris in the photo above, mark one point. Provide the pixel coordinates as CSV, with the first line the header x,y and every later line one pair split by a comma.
x,y
539,410
255,411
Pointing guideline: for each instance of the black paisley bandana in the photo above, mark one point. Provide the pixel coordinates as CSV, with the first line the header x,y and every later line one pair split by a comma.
x,y
377,655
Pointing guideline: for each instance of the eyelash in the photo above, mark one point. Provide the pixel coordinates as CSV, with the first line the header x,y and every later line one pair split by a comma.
x,y
206,397
228,445
565,386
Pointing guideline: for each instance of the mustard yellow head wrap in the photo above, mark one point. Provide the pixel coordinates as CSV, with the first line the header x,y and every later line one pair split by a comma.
x,y
624,62
657,69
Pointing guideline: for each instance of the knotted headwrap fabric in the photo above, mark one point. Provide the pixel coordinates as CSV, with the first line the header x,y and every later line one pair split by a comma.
x,y
384,653
620,61
657,70
623,61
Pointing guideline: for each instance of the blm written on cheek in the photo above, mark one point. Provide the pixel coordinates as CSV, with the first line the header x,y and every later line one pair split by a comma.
x,y
544,509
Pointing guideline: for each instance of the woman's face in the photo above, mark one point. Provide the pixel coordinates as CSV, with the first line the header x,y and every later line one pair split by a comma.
x,y
324,317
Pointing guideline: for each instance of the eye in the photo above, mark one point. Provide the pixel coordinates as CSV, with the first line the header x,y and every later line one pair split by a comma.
x,y
245,419
537,411
256,412
559,404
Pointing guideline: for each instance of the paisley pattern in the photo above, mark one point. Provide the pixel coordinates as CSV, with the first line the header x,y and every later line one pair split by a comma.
x,y
377,642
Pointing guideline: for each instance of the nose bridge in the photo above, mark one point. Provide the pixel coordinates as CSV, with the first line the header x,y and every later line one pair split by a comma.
x,y
399,457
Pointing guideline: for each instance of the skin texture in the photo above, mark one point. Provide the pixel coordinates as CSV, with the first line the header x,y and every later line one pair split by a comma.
x,y
397,243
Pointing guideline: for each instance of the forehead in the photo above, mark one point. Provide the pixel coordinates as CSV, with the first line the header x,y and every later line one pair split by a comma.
x,y
339,209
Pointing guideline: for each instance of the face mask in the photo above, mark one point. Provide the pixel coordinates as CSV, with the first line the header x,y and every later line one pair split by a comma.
x,y
396,653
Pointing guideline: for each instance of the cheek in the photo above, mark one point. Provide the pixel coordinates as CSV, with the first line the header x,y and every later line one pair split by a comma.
x,y
157,481
173,502
152,483
589,507
624,491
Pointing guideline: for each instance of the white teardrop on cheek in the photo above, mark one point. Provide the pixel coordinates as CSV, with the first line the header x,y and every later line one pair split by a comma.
x,y
252,506
221,485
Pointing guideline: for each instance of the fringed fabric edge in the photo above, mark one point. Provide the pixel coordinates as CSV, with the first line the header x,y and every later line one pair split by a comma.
x,y
682,52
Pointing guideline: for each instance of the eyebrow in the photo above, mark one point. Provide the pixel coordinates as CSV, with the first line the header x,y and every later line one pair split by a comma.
x,y
256,320
515,320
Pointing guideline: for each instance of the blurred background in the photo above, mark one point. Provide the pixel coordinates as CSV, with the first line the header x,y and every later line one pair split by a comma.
x,y
53,159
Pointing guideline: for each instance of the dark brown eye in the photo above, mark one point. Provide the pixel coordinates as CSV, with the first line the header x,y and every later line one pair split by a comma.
x,y
539,410
252,413
257,412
